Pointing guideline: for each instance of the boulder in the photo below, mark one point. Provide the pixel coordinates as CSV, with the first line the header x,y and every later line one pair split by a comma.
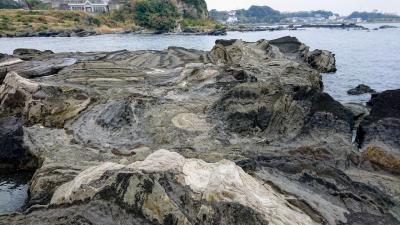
x,y
322,60
380,131
321,189
357,109
37,68
40,103
28,54
13,155
359,112
361,89
217,32
167,188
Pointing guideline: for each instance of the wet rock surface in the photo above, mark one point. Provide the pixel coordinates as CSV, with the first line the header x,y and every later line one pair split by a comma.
x,y
380,131
96,121
361,89
12,153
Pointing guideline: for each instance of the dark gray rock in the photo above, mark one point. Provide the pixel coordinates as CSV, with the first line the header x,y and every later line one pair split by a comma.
x,y
387,27
322,190
38,68
382,126
28,54
323,61
217,32
361,89
13,155
259,103
289,45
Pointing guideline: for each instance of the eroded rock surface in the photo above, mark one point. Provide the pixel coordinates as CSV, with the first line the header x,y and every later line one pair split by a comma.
x,y
89,122
380,131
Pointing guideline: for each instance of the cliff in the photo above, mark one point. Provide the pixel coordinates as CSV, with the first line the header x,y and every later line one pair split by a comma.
x,y
196,9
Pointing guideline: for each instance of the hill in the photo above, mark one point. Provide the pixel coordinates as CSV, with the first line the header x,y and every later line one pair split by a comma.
x,y
374,16
134,15
266,14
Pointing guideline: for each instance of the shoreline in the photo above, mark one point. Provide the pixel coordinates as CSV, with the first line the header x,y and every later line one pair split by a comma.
x,y
79,32
89,32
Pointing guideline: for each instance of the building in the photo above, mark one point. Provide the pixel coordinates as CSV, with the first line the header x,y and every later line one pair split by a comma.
x,y
89,6
232,17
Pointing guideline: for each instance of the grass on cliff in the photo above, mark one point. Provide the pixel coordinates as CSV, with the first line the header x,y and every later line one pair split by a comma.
x,y
42,20
201,24
145,14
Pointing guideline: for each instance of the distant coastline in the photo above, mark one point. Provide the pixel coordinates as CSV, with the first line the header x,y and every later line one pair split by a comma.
x,y
268,15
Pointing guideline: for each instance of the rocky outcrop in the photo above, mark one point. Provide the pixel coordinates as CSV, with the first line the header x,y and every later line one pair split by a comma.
x,y
195,9
31,63
361,89
387,27
40,103
335,26
321,60
29,54
322,189
380,130
74,32
95,125
166,188
13,155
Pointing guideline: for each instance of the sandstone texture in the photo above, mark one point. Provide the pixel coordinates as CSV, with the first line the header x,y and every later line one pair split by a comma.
x,y
251,138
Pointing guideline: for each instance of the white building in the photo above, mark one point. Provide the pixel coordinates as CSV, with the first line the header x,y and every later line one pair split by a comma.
x,y
232,17
90,6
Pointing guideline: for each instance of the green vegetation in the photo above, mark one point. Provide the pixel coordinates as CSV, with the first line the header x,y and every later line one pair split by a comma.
x,y
259,14
201,24
41,20
318,13
31,4
199,5
9,4
374,16
156,14
265,14
133,15
219,15
5,23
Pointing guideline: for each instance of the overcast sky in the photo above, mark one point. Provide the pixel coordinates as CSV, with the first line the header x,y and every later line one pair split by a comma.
x,y
342,7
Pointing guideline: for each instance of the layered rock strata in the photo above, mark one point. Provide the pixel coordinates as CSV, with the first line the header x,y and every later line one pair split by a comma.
x,y
94,123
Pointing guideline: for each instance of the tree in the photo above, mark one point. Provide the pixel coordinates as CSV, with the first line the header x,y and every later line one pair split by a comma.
x,y
31,4
156,14
374,16
259,14
9,4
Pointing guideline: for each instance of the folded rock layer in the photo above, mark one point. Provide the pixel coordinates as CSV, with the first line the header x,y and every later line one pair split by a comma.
x,y
93,123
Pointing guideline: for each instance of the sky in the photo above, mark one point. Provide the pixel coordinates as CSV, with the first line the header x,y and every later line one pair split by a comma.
x,y
343,7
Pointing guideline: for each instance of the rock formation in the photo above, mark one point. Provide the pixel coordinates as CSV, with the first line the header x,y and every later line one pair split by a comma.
x,y
361,89
94,123
196,9
380,131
